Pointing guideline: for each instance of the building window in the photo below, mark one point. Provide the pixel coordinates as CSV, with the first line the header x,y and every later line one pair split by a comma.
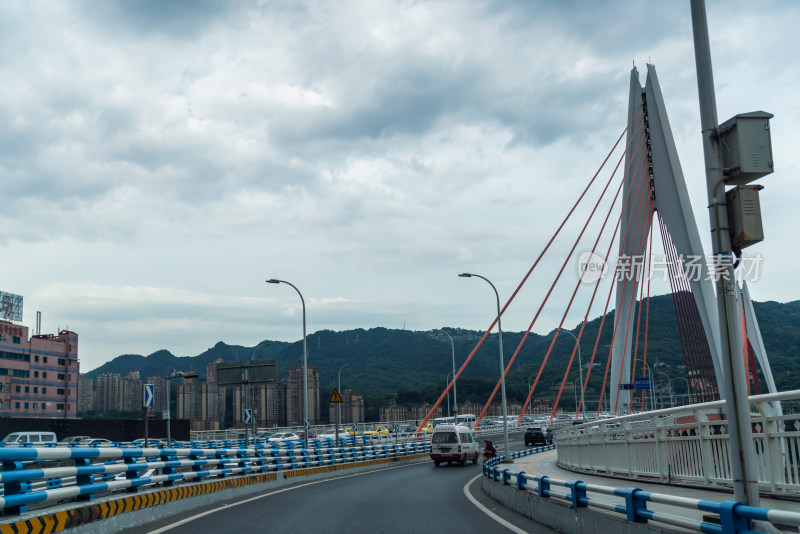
x,y
61,376
44,359
36,374
35,389
16,405
2,337
44,391
27,389
16,340
62,361
34,405
44,406
36,358
26,405
61,392
59,406
44,374
17,389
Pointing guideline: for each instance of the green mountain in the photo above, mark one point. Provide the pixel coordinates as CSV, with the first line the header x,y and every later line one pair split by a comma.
x,y
412,366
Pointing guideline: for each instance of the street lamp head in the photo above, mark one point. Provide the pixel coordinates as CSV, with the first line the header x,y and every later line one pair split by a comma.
x,y
273,281
465,275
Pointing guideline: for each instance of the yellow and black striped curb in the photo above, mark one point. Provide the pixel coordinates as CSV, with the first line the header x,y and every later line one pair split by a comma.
x,y
58,521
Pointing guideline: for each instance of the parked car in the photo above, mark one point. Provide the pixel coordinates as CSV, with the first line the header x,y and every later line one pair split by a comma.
x,y
72,440
538,435
283,436
331,434
302,435
375,431
34,437
96,442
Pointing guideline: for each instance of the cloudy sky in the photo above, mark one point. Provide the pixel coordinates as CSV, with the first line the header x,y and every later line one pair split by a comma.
x,y
161,160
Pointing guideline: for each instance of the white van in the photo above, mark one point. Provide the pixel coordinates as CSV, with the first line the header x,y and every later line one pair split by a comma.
x,y
454,443
35,437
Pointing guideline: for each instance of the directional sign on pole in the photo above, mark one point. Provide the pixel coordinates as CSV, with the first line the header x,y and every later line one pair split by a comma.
x,y
642,383
307,424
247,418
149,395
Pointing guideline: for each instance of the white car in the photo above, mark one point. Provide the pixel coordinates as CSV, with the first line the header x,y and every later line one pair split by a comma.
x,y
283,436
331,434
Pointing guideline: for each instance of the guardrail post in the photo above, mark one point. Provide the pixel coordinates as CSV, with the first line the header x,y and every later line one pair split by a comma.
x,y
196,468
522,481
729,521
506,477
544,487
15,488
167,470
131,475
82,480
633,504
578,493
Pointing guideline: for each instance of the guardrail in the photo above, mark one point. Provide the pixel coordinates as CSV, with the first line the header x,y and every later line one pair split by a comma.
x,y
130,469
735,517
689,445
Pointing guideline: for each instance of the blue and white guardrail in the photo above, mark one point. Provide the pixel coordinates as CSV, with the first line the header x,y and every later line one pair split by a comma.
x,y
735,517
37,474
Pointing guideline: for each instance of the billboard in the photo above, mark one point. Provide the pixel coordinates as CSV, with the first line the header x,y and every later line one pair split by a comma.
x,y
10,306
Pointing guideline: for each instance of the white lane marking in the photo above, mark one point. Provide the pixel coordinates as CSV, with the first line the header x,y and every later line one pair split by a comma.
x,y
482,508
226,506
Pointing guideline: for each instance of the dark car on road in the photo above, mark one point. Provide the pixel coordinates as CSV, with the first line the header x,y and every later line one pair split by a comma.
x,y
538,435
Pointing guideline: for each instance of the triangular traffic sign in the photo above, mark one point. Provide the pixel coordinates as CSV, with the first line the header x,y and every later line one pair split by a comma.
x,y
335,397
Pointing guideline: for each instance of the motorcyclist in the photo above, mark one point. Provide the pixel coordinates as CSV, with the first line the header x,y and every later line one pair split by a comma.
x,y
489,450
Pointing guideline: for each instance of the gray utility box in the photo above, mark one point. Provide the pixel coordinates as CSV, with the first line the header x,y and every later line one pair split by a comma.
x,y
746,147
744,216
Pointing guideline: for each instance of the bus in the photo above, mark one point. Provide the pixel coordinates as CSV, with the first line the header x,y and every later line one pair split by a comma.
x,y
467,419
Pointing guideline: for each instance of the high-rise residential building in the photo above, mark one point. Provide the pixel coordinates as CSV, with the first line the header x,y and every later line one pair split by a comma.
x,y
160,391
132,392
85,393
189,400
294,395
38,375
270,404
108,392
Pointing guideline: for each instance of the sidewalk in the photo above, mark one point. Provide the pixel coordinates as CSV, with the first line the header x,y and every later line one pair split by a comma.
x,y
545,464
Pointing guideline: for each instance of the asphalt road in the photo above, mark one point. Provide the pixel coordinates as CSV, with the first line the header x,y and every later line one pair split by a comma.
x,y
411,497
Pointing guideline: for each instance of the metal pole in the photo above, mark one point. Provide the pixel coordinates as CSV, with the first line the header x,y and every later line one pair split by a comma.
x,y
669,385
502,365
650,374
742,451
530,404
580,370
305,358
339,404
453,352
169,408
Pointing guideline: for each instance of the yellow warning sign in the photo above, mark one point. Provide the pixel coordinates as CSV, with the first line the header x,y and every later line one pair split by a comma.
x,y
335,397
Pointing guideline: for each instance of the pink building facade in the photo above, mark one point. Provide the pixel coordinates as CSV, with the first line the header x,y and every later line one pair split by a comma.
x,y
38,375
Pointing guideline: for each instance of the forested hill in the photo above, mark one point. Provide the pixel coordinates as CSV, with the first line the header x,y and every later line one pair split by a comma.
x,y
385,361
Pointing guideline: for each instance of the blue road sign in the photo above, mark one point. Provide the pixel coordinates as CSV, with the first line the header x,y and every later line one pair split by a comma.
x,y
642,383
307,424
247,417
149,395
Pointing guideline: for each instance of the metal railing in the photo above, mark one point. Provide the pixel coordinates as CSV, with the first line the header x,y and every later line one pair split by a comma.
x,y
734,517
33,475
689,445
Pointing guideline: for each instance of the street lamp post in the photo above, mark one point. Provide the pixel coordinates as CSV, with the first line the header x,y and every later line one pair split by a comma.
x,y
502,364
688,387
170,377
530,404
650,373
447,379
339,404
669,385
305,358
580,371
453,351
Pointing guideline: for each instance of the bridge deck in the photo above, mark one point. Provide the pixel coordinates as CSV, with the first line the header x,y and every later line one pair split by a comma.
x,y
544,464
